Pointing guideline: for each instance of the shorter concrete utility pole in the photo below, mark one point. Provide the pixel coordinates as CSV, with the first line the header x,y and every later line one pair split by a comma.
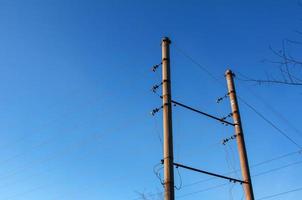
x,y
167,121
248,188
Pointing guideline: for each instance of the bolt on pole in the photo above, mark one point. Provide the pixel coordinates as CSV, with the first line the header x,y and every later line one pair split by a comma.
x,y
167,121
248,188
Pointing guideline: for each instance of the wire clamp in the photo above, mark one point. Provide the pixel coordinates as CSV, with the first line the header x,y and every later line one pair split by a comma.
x,y
226,140
154,67
224,118
155,87
220,99
156,110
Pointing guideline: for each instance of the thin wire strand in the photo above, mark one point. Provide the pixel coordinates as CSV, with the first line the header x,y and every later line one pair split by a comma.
x,y
158,134
203,190
180,180
241,99
53,156
271,123
277,168
270,107
156,171
26,136
200,66
280,194
251,107
42,186
212,178
277,158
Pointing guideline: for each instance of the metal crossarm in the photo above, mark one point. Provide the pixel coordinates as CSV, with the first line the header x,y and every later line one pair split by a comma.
x,y
210,173
203,113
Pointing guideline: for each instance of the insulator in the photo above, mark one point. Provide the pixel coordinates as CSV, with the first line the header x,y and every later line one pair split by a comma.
x,y
154,111
221,98
224,141
155,67
155,87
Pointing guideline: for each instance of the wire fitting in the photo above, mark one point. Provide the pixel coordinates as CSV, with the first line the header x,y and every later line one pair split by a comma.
x,y
225,117
156,110
165,59
229,115
155,87
154,67
220,99
226,140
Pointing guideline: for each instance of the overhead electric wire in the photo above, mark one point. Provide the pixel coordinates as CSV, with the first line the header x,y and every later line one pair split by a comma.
x,y
93,137
241,99
255,175
42,186
277,158
222,185
278,168
53,156
271,108
24,137
271,123
34,147
187,194
252,166
200,66
260,174
259,114
281,193
203,190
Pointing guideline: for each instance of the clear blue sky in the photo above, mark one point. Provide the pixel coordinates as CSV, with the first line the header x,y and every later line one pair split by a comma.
x,y
75,96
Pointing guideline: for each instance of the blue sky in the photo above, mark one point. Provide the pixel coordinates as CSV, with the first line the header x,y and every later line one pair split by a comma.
x,y
75,97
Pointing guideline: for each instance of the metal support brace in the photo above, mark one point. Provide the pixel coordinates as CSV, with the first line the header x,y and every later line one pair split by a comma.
x,y
210,173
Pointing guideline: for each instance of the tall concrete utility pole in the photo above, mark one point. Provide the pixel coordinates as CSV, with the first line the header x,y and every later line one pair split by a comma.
x,y
248,188
167,121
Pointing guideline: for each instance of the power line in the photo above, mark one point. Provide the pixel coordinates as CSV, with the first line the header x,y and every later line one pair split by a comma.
x,y
280,194
39,145
24,137
202,67
27,192
271,108
271,123
91,137
252,166
278,168
260,174
203,190
53,156
255,175
277,158
257,112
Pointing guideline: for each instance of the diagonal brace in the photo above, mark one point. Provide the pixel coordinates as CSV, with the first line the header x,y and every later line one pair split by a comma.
x,y
209,173
203,113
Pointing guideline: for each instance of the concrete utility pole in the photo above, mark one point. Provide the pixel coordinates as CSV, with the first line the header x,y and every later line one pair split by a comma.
x,y
249,195
167,121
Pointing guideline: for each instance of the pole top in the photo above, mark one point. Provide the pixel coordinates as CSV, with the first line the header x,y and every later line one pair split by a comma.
x,y
166,39
229,72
